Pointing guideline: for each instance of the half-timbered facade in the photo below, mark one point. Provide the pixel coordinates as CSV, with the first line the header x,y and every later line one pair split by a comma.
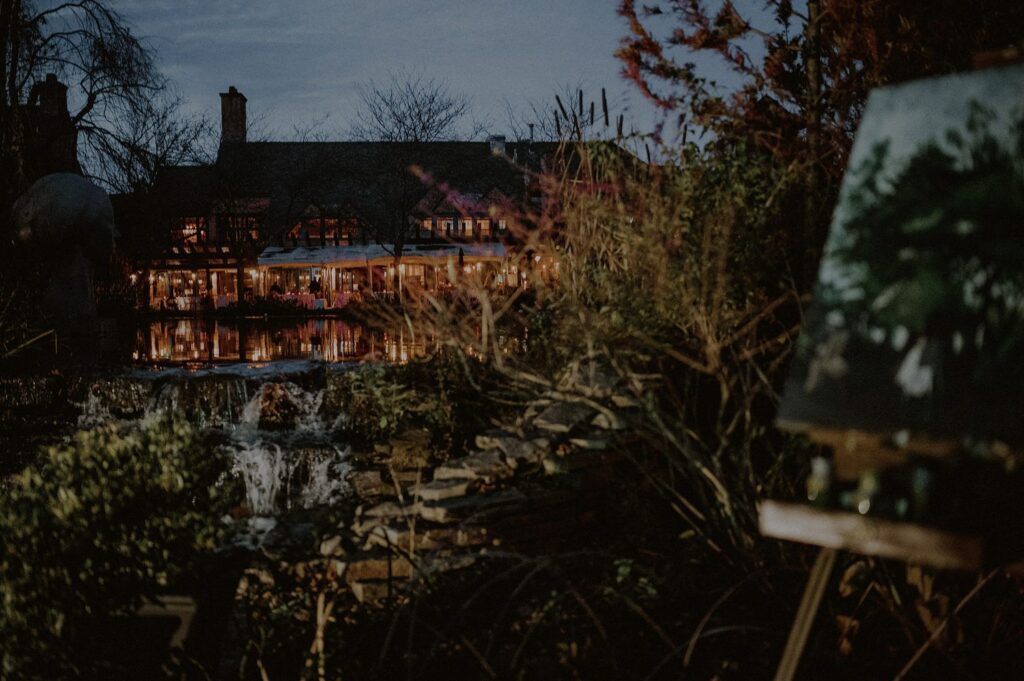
x,y
323,223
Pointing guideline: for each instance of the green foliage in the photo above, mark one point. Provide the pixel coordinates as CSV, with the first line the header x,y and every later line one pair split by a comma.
x,y
92,530
377,401
448,394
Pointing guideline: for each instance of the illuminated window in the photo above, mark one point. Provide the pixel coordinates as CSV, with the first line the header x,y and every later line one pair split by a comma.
x,y
314,229
238,228
330,230
348,230
483,228
465,227
190,231
449,226
426,228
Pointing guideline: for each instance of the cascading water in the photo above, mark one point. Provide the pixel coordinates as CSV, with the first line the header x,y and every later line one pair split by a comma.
x,y
207,401
282,452
278,480
277,440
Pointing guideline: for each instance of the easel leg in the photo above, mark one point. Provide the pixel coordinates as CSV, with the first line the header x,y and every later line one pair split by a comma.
x,y
815,589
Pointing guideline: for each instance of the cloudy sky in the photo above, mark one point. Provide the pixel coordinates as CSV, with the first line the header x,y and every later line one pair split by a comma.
x,y
300,60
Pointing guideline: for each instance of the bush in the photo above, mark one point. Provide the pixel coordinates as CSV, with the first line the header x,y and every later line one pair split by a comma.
x,y
378,401
96,527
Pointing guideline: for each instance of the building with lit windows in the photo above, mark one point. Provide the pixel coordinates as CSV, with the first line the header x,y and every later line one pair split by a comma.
x,y
325,223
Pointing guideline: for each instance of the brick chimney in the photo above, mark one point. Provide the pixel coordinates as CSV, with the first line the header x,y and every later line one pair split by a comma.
x,y
232,116
51,96
52,138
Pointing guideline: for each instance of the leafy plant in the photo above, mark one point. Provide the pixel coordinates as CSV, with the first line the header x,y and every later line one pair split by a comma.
x,y
93,530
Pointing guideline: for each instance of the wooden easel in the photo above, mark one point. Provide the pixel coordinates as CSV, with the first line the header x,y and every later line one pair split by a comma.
x,y
835,530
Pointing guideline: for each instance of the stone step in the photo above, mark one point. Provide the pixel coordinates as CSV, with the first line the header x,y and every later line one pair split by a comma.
x,y
440,490
463,508
487,466
426,539
562,417
372,592
369,484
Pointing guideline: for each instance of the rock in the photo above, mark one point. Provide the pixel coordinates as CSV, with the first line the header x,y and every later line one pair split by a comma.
x,y
592,377
278,410
411,449
331,546
554,466
446,489
429,539
464,508
487,466
561,417
379,567
413,437
519,451
119,397
491,439
589,442
624,401
433,564
368,484
407,479
371,592
389,510
608,421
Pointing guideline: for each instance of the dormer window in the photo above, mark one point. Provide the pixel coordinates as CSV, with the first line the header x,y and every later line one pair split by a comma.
x,y
427,228
239,228
483,229
330,230
348,230
189,230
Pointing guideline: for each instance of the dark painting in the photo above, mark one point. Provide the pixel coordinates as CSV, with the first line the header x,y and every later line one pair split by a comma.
x,y
917,322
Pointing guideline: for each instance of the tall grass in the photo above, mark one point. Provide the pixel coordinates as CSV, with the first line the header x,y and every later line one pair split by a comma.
x,y
678,272
687,279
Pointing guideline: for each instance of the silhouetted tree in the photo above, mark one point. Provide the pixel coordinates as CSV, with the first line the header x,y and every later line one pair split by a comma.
x,y
126,121
407,112
803,71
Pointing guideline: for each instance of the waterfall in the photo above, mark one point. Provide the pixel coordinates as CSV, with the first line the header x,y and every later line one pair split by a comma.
x,y
264,471
282,453
278,480
277,440
325,481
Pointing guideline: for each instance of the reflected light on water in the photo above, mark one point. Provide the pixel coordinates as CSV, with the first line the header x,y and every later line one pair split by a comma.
x,y
192,341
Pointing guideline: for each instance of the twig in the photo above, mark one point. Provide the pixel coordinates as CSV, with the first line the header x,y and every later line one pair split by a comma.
x,y
707,617
942,627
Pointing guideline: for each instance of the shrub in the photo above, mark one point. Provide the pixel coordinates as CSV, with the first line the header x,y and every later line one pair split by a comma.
x,y
378,401
92,530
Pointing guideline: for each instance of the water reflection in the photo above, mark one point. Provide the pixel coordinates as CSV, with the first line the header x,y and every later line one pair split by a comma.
x,y
186,341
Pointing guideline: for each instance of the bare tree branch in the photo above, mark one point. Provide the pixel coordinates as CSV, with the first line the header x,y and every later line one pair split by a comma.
x,y
408,108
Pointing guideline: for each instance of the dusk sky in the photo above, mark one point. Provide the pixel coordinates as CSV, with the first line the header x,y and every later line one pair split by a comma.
x,y
297,61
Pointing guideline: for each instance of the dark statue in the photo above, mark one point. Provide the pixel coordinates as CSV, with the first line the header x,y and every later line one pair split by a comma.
x,y
69,221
